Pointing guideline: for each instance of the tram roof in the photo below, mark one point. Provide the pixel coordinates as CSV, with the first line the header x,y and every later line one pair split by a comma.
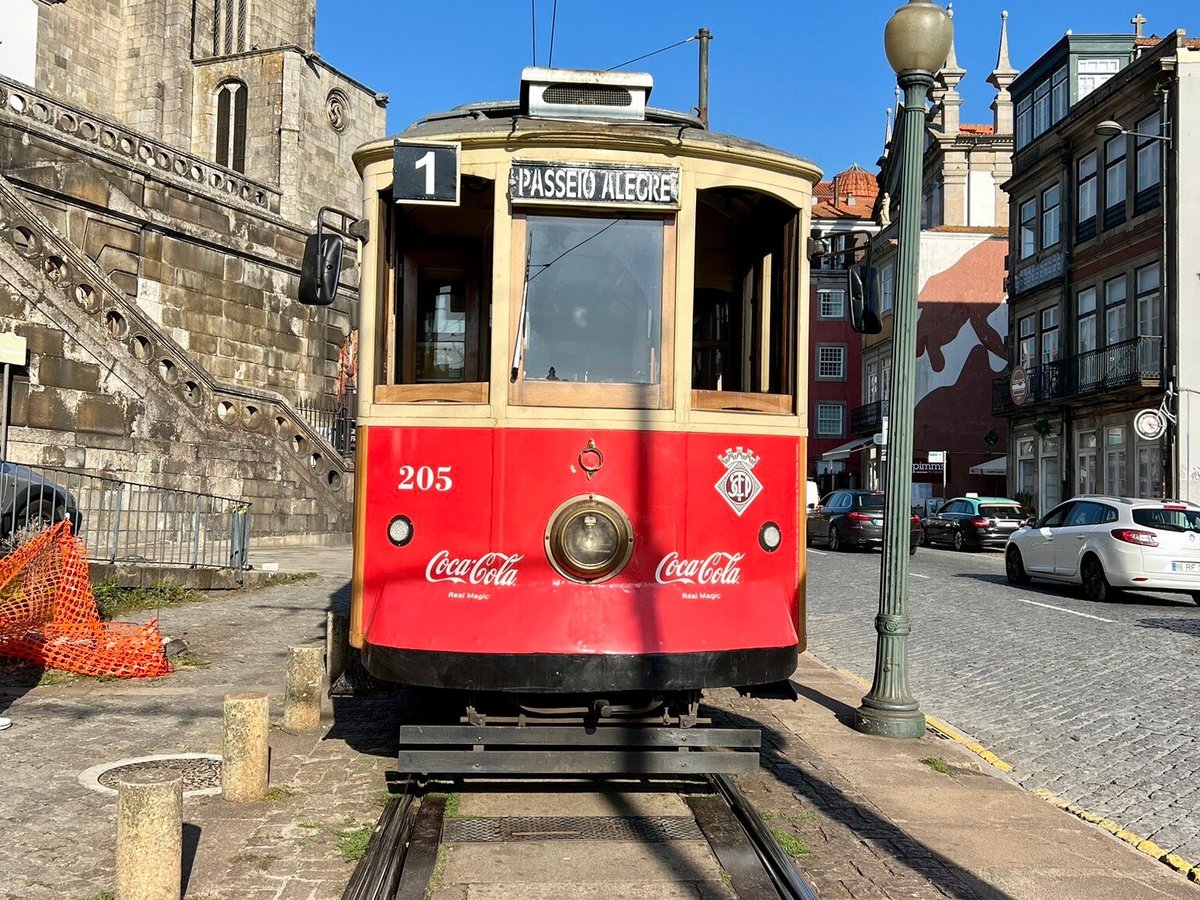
x,y
506,116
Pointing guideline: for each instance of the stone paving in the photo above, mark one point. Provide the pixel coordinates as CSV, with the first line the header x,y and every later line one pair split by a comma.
x,y
1096,702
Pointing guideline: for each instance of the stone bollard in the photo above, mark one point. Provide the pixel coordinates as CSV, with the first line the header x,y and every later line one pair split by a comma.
x,y
244,751
337,645
149,836
302,698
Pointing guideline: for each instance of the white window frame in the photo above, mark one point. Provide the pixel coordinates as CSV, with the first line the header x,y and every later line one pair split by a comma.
x,y
824,407
825,363
887,289
826,300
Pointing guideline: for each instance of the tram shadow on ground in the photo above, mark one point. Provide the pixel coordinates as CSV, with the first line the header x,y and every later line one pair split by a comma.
x,y
877,836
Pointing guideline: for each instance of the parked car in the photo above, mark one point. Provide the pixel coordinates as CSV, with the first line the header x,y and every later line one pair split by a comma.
x,y
29,500
845,519
973,521
1109,544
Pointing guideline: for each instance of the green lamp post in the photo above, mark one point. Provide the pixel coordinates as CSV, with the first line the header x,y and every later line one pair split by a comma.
x,y
917,40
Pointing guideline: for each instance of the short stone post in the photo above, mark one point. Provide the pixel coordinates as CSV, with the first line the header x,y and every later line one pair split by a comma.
x,y
244,751
337,645
149,836
302,697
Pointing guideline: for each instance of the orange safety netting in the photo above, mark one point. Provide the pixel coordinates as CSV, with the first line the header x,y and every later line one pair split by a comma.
x,y
48,614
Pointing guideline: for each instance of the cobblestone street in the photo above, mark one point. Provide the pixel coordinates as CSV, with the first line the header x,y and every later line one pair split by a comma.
x,y
1096,702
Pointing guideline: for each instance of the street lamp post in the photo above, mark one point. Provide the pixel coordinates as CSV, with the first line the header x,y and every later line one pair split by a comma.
x,y
917,40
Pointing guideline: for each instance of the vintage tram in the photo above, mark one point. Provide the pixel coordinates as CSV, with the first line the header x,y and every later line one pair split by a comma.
x,y
582,416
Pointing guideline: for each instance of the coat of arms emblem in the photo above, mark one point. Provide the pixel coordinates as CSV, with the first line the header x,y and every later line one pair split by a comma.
x,y
738,485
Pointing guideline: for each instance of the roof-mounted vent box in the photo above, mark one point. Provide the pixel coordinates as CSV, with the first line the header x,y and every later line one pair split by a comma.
x,y
585,94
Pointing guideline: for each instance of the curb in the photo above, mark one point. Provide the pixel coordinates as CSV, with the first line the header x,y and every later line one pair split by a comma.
x,y
944,730
1139,843
1189,870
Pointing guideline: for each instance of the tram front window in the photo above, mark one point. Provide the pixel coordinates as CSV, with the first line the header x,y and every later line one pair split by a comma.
x,y
594,301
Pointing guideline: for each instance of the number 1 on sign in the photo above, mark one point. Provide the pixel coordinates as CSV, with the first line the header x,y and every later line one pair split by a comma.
x,y
427,162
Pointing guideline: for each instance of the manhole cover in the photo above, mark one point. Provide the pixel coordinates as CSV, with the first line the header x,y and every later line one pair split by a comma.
x,y
201,772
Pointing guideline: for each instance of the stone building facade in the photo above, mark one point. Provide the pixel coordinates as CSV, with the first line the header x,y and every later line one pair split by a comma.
x,y
161,164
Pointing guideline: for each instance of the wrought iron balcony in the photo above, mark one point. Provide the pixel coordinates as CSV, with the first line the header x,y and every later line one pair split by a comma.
x,y
1136,362
868,419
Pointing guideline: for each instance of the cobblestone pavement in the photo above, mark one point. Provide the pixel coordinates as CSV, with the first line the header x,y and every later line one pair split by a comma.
x,y
58,835
1096,702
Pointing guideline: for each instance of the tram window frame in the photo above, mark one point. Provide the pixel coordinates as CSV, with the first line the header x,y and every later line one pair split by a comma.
x,y
769,305
610,395
408,255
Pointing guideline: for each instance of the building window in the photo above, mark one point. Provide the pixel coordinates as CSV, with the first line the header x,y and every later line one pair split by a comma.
x,y
1049,335
1027,330
888,288
1041,108
1051,480
1051,203
871,381
831,362
1094,72
1085,328
830,420
1150,470
1149,316
885,382
1115,480
1148,161
832,304
1085,462
1114,181
1115,294
1024,121
1086,205
229,26
231,125
1026,467
1028,217
1061,97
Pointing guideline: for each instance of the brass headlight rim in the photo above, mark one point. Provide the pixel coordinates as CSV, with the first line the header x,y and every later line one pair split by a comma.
x,y
565,514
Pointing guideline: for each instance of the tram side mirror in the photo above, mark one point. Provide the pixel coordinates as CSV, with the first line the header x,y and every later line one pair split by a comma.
x,y
321,269
863,292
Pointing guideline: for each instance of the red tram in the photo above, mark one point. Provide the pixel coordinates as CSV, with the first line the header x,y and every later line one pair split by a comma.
x,y
583,369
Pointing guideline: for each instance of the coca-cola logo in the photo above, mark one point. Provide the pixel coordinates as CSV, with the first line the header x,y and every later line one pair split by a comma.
x,y
716,568
496,569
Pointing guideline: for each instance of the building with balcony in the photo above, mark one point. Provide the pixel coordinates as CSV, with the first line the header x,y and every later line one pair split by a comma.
x,y
962,324
842,221
1101,300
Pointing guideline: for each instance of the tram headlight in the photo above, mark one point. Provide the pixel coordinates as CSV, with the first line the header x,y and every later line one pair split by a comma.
x,y
770,537
400,530
589,539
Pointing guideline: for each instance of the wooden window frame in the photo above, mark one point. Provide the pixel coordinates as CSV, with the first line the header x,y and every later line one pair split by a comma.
x,y
575,394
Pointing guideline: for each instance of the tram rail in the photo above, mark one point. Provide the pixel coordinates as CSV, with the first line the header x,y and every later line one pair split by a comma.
x,y
401,856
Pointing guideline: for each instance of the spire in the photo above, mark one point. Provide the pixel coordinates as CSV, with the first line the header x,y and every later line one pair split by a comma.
x,y
1002,78
946,92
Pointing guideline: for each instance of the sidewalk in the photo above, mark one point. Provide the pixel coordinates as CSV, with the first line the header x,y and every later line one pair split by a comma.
x,y
875,821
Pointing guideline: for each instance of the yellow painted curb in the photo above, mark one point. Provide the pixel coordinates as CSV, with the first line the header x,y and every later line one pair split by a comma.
x,y
943,729
1178,863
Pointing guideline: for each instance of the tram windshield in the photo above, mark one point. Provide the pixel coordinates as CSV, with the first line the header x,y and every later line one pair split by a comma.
x,y
593,302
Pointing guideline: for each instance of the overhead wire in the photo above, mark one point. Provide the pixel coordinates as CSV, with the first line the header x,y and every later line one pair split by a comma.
x,y
533,27
553,26
652,53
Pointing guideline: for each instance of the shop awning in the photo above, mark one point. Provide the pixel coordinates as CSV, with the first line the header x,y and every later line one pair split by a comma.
x,y
845,450
998,466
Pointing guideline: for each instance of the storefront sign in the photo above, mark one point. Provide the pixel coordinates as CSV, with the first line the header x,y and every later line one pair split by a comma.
x,y
1018,387
922,468
603,185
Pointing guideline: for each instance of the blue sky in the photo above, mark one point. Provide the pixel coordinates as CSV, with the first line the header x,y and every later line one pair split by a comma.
x,y
807,77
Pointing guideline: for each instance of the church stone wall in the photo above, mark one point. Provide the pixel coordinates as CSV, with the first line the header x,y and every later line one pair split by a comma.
x,y
77,54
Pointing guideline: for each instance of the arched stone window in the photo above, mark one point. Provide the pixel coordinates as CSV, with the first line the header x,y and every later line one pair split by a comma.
x,y
229,26
231,125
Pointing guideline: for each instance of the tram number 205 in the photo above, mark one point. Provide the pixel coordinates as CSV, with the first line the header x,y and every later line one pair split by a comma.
x,y
425,478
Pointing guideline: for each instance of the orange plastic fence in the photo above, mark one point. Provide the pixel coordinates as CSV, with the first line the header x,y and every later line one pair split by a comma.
x,y
48,614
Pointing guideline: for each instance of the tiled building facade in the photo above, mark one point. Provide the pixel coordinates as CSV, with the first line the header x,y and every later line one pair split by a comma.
x,y
1105,294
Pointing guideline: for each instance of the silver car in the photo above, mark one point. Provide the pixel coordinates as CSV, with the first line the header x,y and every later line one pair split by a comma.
x,y
1110,544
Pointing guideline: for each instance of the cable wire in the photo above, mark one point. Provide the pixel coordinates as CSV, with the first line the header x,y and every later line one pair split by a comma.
x,y
533,26
553,25
544,266
652,53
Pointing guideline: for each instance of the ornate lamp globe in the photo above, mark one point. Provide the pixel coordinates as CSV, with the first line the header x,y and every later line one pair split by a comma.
x,y
917,37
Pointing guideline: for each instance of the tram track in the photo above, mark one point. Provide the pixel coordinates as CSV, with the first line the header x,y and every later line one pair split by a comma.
x,y
402,855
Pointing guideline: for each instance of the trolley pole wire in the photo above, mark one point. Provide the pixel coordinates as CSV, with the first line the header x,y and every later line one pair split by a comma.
x,y
553,27
533,27
627,62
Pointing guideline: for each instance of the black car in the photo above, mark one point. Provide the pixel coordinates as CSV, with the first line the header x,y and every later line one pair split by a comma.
x,y
974,522
846,519
27,500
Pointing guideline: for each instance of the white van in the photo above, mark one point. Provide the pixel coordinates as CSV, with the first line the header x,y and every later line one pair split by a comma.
x,y
813,495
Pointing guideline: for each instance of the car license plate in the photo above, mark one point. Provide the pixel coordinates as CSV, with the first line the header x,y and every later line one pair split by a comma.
x,y
1190,567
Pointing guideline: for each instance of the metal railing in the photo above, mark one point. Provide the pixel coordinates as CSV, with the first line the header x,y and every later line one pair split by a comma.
x,y
124,522
1137,361
868,418
334,417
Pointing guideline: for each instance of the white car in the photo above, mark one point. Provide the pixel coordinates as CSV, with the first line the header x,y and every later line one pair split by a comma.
x,y
1109,544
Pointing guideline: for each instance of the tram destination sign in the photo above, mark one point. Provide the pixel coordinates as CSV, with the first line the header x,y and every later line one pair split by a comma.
x,y
594,183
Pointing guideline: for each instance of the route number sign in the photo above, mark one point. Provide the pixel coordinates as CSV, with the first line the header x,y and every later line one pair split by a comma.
x,y
425,172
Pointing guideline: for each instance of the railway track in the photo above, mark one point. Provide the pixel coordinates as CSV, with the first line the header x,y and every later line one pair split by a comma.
x,y
402,857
